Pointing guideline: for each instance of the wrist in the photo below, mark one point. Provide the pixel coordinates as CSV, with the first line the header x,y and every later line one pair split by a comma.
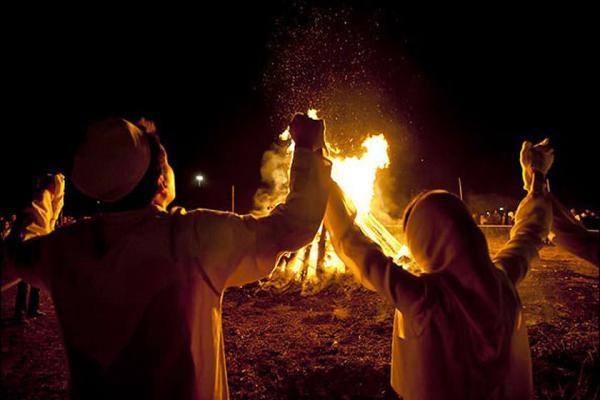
x,y
538,181
536,171
309,146
302,145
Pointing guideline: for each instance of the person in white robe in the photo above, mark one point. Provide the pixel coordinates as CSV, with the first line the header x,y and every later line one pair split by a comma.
x,y
458,328
138,288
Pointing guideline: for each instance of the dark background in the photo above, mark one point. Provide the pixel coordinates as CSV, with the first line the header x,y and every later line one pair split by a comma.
x,y
464,87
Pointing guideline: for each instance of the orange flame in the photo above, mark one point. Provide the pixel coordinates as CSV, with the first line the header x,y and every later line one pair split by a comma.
x,y
356,176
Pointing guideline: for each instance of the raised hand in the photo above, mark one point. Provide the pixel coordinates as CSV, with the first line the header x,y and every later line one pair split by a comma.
x,y
147,125
307,132
58,187
536,160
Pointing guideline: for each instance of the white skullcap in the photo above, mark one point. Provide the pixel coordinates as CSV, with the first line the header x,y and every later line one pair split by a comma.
x,y
112,160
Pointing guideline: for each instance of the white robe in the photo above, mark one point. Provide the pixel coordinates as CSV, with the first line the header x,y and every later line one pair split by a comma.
x,y
138,294
458,330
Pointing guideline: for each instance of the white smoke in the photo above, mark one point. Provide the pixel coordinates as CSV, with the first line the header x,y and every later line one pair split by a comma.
x,y
275,176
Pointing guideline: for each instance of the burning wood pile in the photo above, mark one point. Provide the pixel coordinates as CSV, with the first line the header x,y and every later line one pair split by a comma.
x,y
315,266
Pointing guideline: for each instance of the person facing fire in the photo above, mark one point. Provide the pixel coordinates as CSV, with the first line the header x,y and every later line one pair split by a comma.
x,y
138,289
458,329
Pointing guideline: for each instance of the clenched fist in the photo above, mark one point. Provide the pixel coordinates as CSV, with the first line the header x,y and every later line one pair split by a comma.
x,y
308,133
535,160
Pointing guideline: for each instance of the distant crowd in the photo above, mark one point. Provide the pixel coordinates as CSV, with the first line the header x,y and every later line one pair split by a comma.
x,y
590,219
500,216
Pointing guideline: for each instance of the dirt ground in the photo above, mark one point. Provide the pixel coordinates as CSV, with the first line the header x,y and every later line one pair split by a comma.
x,y
336,344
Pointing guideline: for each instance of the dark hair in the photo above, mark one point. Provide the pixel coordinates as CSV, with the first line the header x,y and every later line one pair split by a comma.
x,y
146,189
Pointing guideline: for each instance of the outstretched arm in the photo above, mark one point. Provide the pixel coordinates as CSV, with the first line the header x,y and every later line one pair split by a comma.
x,y
568,233
365,258
532,225
572,236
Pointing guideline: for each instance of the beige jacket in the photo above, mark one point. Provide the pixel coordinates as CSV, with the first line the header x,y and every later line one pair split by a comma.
x,y
458,330
138,294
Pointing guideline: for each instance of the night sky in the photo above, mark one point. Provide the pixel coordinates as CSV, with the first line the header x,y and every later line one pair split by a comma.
x,y
454,90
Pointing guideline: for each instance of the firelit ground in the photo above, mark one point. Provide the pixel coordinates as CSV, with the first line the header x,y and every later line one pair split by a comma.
x,y
336,344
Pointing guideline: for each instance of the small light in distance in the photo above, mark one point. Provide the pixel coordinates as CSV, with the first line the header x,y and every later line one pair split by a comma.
x,y
199,179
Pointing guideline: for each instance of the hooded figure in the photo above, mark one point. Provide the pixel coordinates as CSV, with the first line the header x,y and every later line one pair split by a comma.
x,y
138,291
458,329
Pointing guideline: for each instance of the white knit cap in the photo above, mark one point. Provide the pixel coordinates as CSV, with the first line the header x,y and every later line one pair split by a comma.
x,y
112,160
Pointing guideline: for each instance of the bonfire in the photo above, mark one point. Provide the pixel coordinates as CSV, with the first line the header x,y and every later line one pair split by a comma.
x,y
317,265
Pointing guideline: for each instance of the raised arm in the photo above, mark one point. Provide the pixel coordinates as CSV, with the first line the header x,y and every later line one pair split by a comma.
x,y
40,218
532,225
24,252
365,258
534,214
568,233
237,249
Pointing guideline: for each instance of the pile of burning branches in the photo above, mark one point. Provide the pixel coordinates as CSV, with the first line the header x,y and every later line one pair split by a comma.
x,y
315,266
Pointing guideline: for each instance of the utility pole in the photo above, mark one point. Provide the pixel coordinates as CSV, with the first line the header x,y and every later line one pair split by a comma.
x,y
232,198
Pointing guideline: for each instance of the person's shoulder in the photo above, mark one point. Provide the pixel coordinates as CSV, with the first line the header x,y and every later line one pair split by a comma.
x,y
210,222
75,228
